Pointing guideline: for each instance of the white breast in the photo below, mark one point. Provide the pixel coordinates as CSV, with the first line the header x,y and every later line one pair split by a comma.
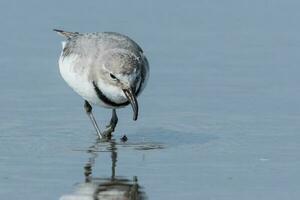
x,y
76,77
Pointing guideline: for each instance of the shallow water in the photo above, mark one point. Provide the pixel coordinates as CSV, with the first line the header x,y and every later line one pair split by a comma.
x,y
219,118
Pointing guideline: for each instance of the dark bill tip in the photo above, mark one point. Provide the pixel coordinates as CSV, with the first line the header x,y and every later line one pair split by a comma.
x,y
133,101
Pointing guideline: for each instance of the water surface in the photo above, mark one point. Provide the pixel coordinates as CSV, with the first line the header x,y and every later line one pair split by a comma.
x,y
219,118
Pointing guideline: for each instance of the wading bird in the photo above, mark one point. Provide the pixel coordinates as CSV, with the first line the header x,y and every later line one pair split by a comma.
x,y
106,69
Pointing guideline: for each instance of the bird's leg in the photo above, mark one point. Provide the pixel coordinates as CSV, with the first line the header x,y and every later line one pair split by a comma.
x,y
112,125
88,110
113,120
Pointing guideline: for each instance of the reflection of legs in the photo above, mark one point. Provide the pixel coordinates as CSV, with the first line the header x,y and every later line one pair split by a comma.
x,y
112,125
88,168
88,109
113,159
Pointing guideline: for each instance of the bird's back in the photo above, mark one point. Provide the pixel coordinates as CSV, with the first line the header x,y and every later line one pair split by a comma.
x,y
95,44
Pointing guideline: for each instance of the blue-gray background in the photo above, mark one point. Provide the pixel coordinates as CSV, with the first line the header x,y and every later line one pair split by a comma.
x,y
223,99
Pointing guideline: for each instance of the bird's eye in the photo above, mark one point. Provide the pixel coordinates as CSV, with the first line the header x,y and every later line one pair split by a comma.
x,y
113,76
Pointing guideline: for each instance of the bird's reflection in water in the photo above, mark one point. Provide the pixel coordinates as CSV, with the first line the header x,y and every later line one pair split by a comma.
x,y
113,188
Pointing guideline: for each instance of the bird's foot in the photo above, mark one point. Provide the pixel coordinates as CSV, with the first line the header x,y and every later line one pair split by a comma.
x,y
110,128
107,133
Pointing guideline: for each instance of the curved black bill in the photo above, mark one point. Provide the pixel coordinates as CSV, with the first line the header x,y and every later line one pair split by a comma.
x,y
134,104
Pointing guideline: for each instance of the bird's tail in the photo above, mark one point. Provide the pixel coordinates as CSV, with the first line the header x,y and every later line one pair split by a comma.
x,y
66,34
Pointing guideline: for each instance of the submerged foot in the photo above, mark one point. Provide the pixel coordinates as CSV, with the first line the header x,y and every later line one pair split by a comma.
x,y
107,133
110,128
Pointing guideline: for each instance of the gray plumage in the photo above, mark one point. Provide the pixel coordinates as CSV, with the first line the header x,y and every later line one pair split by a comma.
x,y
107,69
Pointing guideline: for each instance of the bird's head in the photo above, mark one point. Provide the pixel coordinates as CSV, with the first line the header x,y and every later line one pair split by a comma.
x,y
120,78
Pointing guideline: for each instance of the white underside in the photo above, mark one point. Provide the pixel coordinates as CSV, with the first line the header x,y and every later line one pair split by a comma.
x,y
77,79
